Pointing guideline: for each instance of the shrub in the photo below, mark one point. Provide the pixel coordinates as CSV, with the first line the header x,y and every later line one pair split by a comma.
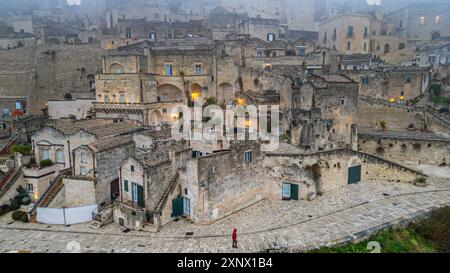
x,y
18,215
46,163
383,124
14,205
437,229
24,217
24,149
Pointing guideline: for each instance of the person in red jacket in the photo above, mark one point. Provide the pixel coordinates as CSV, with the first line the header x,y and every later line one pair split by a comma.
x,y
234,237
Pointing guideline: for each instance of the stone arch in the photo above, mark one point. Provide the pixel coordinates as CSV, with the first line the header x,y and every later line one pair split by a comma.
x,y
380,151
226,93
195,91
155,118
168,92
417,147
436,35
116,69
403,148
387,48
401,46
91,81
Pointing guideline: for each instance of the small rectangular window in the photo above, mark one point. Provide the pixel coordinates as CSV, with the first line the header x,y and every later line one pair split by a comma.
x,y
83,170
125,185
350,31
349,45
132,168
286,191
248,156
169,70
30,188
422,20
198,69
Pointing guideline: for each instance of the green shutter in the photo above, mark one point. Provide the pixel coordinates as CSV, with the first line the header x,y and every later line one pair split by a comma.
x,y
125,184
354,174
140,197
177,207
294,191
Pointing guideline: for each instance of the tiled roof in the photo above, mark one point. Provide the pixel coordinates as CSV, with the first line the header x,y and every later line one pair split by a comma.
x,y
111,142
98,127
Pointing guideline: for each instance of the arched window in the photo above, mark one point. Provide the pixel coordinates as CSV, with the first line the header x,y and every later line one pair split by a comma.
x,y
271,37
152,35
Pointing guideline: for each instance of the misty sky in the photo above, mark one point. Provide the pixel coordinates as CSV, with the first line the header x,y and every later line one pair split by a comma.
x,y
73,2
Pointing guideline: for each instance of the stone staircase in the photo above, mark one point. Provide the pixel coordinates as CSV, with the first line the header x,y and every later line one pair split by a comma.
x,y
103,218
55,189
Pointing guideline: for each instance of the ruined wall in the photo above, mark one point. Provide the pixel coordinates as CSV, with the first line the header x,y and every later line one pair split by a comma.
x,y
406,151
370,115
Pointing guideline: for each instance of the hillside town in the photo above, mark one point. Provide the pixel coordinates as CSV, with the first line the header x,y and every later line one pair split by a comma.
x,y
181,122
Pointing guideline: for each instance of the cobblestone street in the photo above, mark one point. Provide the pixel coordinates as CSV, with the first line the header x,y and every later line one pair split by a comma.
x,y
351,212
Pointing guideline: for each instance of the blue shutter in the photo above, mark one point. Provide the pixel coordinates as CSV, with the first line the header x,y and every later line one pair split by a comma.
x,y
354,174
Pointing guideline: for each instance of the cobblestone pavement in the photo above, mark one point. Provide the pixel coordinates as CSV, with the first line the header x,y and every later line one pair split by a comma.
x,y
350,212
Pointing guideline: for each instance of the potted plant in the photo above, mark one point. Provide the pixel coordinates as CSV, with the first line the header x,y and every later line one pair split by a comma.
x,y
383,125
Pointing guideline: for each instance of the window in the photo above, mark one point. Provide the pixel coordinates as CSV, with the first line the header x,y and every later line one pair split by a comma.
x,y
349,45
365,46
437,20
198,69
343,101
259,54
286,191
374,33
289,191
152,35
365,80
128,33
334,35
106,98
122,98
366,32
301,51
422,20
270,37
30,188
408,78
186,206
132,168
248,156
378,47
274,54
169,70
350,31
60,156
84,158
324,37
83,170
125,185
45,153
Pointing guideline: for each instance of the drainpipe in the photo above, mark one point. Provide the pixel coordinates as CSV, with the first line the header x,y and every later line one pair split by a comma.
x,y
120,185
70,157
93,164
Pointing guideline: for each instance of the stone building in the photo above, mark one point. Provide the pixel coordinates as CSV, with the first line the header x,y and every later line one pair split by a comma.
x,y
422,22
347,33
323,112
396,84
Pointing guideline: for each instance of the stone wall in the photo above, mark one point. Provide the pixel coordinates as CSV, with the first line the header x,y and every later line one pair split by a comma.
x,y
79,192
44,72
409,151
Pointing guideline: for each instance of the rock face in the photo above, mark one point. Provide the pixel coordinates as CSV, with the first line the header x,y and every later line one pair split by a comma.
x,y
33,75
